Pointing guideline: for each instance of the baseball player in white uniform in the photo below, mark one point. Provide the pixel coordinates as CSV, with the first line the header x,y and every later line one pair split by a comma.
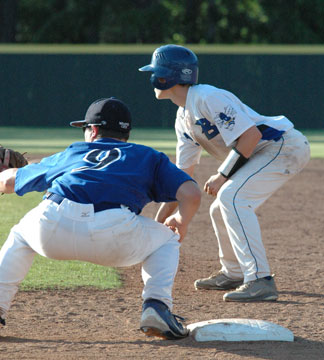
x,y
96,190
257,154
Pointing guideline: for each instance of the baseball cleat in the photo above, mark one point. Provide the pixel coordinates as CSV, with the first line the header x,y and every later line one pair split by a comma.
x,y
257,290
217,282
157,320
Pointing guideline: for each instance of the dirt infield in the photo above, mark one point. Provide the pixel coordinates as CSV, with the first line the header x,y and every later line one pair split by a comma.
x,y
90,324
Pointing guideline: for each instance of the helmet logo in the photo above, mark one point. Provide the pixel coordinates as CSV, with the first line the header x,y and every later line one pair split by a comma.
x,y
186,71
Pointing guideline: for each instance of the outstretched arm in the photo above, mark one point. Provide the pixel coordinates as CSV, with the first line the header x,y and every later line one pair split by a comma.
x,y
7,181
167,209
188,196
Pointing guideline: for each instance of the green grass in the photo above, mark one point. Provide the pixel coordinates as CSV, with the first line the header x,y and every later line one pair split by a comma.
x,y
51,140
316,139
47,273
281,49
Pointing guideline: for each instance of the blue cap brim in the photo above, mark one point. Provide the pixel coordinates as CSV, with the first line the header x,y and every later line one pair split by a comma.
x,y
147,68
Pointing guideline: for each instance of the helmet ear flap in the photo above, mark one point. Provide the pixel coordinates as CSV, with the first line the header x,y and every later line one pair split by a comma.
x,y
165,85
188,75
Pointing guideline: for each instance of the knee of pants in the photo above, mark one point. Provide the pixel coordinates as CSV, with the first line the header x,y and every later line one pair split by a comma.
x,y
225,197
214,209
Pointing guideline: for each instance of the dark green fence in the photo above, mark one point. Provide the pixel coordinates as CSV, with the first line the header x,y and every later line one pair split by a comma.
x,y
54,89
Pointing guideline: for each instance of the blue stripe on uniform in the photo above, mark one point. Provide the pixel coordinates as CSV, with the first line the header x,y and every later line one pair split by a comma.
x,y
246,238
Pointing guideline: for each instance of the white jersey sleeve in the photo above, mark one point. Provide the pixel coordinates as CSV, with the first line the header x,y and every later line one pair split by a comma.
x,y
229,118
188,151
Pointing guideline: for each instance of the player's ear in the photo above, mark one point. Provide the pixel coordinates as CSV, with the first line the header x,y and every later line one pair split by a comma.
x,y
94,132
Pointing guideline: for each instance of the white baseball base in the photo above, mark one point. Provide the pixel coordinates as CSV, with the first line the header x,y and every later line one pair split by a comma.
x,y
239,330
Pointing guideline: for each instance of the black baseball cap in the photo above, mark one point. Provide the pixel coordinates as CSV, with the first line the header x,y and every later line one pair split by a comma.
x,y
110,113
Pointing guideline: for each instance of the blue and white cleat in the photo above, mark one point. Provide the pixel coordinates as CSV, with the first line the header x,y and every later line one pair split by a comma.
x,y
157,320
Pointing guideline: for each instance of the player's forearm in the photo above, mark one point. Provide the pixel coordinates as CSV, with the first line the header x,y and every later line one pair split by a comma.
x,y
236,158
165,210
7,181
187,210
189,197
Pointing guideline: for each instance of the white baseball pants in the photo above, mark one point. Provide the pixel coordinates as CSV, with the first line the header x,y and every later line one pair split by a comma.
x,y
72,231
241,251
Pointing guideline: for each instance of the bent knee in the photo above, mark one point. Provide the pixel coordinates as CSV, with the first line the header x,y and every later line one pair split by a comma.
x,y
225,197
214,208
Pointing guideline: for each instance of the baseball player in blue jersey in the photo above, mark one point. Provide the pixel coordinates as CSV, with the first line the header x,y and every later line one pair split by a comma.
x,y
95,191
257,154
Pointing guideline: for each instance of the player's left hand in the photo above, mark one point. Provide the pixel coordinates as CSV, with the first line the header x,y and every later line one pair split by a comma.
x,y
214,183
11,159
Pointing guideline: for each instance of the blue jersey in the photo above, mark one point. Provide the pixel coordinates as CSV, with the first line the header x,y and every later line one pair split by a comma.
x,y
106,170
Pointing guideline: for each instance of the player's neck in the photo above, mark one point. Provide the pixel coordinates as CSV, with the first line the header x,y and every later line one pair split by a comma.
x,y
179,95
113,138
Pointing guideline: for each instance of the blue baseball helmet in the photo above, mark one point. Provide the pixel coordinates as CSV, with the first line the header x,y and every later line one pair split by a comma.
x,y
173,63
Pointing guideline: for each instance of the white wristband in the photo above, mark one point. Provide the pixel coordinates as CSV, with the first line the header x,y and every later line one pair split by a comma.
x,y
232,163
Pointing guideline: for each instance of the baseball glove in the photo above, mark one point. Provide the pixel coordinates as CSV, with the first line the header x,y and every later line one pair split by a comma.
x,y
11,159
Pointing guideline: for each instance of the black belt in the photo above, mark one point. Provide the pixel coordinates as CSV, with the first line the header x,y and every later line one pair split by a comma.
x,y
97,207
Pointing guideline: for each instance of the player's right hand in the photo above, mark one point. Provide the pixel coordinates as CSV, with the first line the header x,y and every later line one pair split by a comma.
x,y
214,183
174,222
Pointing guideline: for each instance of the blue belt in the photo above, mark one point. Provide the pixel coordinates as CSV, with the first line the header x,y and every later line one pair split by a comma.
x,y
269,133
97,207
